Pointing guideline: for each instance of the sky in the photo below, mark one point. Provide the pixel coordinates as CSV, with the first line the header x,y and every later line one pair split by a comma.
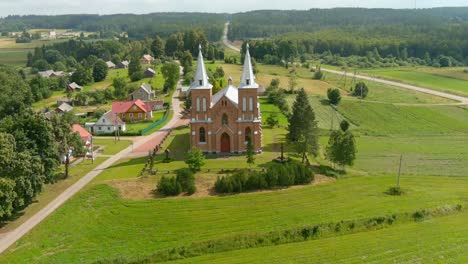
x,y
55,7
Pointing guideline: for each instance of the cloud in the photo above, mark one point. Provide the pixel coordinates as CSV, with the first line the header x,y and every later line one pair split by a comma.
x,y
54,7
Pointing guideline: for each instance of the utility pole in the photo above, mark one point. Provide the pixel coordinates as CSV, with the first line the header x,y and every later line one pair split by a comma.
x,y
399,172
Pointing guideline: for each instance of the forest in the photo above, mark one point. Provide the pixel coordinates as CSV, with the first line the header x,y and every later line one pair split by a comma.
x,y
137,26
435,37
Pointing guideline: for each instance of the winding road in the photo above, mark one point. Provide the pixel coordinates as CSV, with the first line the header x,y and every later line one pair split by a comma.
x,y
461,99
10,238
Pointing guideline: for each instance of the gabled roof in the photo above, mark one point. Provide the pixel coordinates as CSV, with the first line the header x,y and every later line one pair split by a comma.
x,y
110,118
125,62
124,106
231,93
150,70
84,134
147,88
50,73
74,86
148,57
64,107
248,77
110,64
201,78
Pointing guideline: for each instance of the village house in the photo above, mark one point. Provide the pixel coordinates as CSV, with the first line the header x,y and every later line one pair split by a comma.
x,y
51,73
226,121
63,108
74,87
86,137
132,110
123,64
149,73
110,65
147,59
143,93
155,105
109,122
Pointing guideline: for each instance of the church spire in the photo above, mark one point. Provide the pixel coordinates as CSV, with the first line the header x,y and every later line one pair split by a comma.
x,y
201,78
248,77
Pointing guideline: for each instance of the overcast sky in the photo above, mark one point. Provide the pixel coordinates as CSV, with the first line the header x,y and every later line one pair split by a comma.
x,y
54,7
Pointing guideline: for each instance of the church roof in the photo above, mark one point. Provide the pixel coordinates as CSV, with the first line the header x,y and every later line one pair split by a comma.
x,y
201,78
248,77
231,93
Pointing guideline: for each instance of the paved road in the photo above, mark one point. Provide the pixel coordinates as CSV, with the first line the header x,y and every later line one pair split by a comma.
x,y
10,238
461,99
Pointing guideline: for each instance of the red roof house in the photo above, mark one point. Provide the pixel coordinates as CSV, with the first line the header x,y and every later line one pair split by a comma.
x,y
132,110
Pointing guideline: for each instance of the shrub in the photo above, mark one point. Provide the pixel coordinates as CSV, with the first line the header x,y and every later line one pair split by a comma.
x,y
136,76
186,179
276,175
334,96
395,191
361,90
169,186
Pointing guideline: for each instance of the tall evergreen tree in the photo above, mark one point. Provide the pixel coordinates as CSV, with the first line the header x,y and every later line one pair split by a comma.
x,y
302,126
250,153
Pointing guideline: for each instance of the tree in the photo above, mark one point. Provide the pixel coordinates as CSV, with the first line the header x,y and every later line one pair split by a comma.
x,y
170,72
41,65
361,90
82,75
186,61
195,159
302,129
334,96
157,47
341,148
7,197
293,82
120,85
134,66
250,153
275,83
272,120
344,125
100,70
219,73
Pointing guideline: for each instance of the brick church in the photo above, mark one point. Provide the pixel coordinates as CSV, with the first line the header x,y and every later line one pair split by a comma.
x,y
226,121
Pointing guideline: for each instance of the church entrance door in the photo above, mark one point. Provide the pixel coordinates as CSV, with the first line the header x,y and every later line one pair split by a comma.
x,y
225,143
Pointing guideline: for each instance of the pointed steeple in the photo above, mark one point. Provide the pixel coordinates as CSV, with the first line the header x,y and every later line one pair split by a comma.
x,y
248,77
201,78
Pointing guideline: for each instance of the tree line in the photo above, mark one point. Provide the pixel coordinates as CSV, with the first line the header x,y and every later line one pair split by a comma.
x,y
31,146
137,26
357,37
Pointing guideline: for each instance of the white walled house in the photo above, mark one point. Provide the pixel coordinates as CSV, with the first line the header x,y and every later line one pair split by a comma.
x,y
107,123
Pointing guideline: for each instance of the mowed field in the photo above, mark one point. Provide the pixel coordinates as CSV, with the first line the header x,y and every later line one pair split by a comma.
x,y
443,240
451,80
99,224
12,53
119,216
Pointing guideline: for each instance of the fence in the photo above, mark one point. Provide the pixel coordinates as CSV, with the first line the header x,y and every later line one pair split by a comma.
x,y
155,124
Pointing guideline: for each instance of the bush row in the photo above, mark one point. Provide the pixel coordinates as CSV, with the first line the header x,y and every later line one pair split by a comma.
x,y
290,235
184,181
276,175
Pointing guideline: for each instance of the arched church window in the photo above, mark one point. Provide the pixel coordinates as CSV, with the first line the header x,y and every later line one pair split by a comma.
x,y
224,119
202,135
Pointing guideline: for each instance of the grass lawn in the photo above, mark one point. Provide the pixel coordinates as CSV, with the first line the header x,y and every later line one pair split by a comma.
x,y
138,126
98,224
109,145
441,240
50,192
430,79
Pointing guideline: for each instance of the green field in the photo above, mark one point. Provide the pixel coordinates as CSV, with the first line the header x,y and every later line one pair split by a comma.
x,y
129,228
443,240
111,218
430,80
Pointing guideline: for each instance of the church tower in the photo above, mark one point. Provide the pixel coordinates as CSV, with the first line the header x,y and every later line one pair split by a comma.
x,y
201,91
249,110
201,96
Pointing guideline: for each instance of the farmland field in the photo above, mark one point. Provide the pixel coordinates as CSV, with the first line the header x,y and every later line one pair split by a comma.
x,y
446,81
442,240
101,217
